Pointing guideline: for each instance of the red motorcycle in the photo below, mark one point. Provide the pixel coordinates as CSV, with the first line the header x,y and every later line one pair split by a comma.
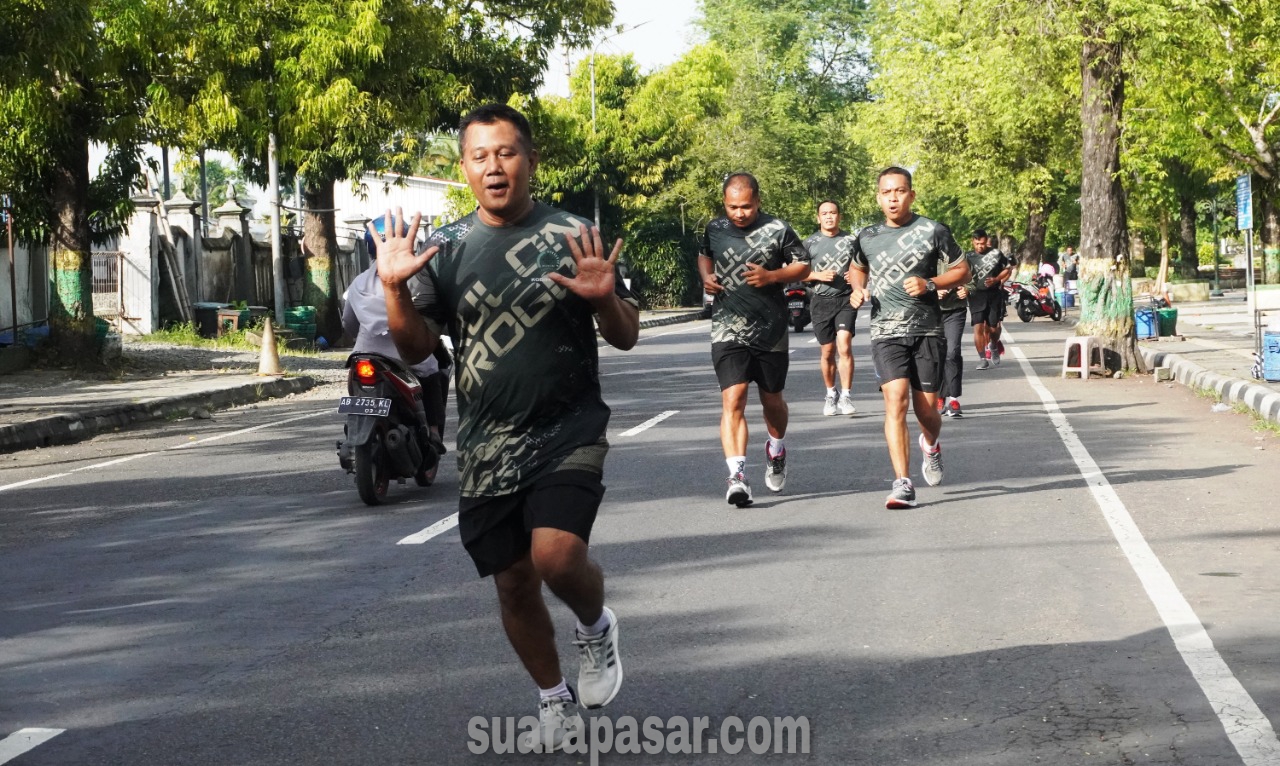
x,y
1036,300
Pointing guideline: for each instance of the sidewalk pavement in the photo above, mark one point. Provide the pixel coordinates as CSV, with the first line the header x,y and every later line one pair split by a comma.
x,y
41,408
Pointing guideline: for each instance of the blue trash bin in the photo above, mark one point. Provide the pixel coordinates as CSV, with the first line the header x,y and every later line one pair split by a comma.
x,y
1271,357
1145,322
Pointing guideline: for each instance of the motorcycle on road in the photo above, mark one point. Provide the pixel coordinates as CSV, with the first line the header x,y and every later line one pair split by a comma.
x,y
798,306
1036,300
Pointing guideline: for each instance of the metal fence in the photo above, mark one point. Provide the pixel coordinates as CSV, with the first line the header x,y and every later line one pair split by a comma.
x,y
108,287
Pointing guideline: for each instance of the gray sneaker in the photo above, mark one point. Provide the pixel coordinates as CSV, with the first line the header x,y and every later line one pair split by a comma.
x,y
846,404
739,493
558,718
599,666
829,404
984,363
775,472
903,495
932,465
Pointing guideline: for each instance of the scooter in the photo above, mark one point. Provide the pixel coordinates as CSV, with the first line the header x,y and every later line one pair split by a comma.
x,y
798,305
386,432
1037,300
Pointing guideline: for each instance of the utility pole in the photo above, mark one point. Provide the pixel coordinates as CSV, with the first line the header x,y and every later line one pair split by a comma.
x,y
13,279
277,256
620,29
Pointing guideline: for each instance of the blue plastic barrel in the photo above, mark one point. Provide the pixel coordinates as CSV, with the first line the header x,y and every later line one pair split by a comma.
x,y
1271,357
1145,321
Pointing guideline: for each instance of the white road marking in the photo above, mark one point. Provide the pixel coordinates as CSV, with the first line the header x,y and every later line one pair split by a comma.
x,y
438,528
1246,726
184,445
812,341
451,521
650,423
23,740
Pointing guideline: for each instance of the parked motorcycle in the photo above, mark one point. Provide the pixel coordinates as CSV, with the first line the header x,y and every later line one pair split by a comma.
x,y
798,305
386,432
1036,300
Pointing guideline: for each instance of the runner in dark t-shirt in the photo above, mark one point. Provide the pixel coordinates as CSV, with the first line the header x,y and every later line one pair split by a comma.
x,y
831,249
745,260
518,285
903,261
987,299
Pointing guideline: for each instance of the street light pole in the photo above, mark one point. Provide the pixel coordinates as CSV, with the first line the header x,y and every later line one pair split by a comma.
x,y
620,29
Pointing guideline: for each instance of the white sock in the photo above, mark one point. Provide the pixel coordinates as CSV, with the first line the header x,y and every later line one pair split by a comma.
x,y
556,691
927,446
600,626
775,446
737,464
833,391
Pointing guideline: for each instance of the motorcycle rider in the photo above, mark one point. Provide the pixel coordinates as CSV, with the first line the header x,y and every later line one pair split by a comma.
x,y
364,318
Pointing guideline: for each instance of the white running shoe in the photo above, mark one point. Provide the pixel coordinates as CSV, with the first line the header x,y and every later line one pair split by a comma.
x,y
557,718
739,493
846,404
599,666
932,465
775,472
829,404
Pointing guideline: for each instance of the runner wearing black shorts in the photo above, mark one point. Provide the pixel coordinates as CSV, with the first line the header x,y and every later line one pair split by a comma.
x,y
746,258
520,287
987,299
899,266
833,317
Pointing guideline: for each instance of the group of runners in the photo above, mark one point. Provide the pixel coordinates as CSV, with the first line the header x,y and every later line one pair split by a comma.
x,y
521,289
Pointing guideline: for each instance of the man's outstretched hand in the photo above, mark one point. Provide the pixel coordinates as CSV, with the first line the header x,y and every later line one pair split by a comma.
x,y
397,262
594,280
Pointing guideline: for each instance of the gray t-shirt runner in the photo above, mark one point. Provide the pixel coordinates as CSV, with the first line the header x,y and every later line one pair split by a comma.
x,y
526,357
831,254
742,314
987,265
922,248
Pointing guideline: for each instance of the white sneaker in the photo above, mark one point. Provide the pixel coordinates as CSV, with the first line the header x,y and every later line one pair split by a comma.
x,y
846,404
775,472
739,492
599,666
829,404
558,718
932,465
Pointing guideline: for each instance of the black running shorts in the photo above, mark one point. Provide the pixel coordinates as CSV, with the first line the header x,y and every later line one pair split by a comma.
x,y
498,531
736,363
987,306
920,359
831,314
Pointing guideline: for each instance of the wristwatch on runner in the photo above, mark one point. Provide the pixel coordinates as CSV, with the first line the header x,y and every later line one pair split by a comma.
x,y
930,286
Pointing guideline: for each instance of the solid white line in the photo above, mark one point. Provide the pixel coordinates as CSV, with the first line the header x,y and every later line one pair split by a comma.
x,y
1247,728
184,445
812,341
23,740
438,528
650,423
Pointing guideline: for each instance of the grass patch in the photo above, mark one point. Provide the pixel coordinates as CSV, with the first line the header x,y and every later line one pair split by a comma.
x,y
1206,393
188,334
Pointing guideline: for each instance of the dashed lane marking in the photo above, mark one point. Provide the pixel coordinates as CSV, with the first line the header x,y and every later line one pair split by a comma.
x,y
1248,729
650,423
23,740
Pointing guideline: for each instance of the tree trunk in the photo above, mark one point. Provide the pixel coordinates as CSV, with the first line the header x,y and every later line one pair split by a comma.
x,y
1270,209
1138,249
71,315
319,249
1037,225
1188,257
1106,292
1162,275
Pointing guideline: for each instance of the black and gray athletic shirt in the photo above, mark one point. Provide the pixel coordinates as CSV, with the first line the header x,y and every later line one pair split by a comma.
x,y
922,248
750,316
987,265
830,254
526,372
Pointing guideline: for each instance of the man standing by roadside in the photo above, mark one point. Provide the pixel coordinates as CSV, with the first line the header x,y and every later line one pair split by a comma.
x,y
746,258
520,287
833,318
902,259
987,298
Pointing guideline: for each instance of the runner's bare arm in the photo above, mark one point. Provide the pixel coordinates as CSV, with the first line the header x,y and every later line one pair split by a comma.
x,y
857,279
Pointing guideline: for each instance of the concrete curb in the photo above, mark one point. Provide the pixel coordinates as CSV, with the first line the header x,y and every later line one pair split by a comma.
x,y
685,316
69,428
1261,399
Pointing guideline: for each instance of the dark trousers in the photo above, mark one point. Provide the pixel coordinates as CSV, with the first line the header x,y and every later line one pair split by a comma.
x,y
953,327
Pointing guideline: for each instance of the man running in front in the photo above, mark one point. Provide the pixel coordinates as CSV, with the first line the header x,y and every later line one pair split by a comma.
x,y
520,287
747,258
901,259
833,318
987,298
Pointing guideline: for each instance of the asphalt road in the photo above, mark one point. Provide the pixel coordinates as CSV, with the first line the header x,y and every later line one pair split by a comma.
x,y
202,593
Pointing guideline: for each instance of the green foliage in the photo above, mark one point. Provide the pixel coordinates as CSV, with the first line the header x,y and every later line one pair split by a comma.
x,y
217,176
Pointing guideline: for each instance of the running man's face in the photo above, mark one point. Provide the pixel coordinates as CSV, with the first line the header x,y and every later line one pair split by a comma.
x,y
895,197
981,245
741,206
828,218
498,166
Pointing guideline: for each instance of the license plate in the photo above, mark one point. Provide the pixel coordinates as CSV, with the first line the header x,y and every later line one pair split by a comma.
x,y
796,305
364,405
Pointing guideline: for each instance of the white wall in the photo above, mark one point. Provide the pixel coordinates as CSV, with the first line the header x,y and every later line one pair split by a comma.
x,y
378,193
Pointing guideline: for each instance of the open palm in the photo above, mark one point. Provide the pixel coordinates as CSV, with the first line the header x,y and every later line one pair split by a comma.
x,y
595,273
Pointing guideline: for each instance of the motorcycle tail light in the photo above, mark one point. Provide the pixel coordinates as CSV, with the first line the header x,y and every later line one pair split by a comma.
x,y
366,373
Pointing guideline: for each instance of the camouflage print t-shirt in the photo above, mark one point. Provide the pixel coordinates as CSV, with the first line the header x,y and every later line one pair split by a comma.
x,y
526,362
830,254
922,248
987,265
742,314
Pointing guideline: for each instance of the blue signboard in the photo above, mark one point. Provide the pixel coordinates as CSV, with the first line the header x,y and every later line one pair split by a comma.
x,y
1244,202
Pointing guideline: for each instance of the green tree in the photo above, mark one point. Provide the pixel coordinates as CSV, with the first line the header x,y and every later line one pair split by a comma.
x,y
217,176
